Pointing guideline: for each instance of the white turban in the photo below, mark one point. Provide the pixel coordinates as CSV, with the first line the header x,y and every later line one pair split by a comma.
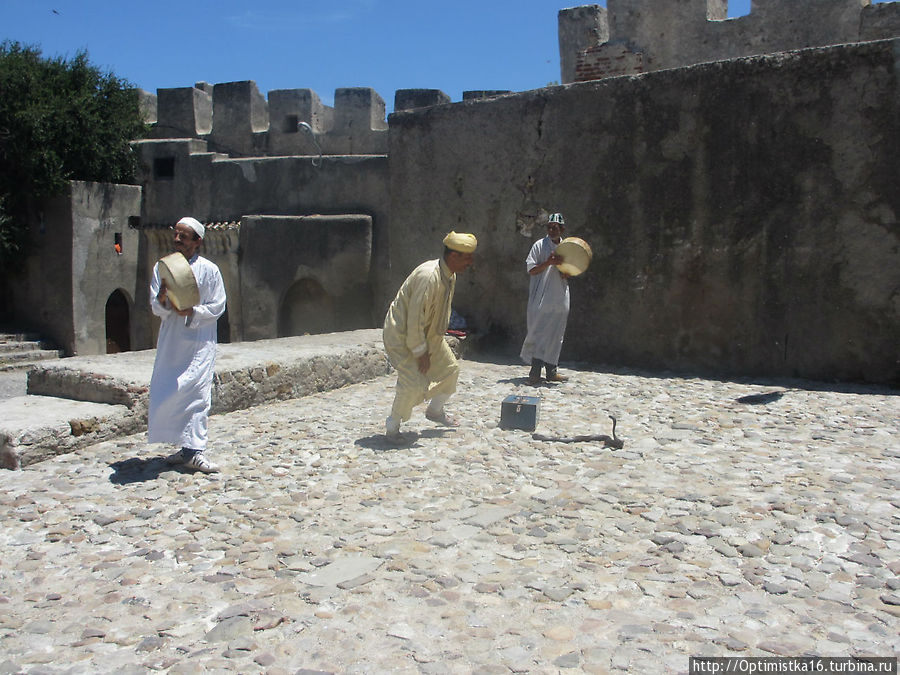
x,y
194,224
461,242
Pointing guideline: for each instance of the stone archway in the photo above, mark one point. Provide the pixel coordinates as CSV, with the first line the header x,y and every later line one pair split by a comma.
x,y
223,328
118,323
307,308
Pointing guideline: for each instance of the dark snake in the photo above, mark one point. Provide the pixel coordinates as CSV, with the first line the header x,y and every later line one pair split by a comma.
x,y
608,441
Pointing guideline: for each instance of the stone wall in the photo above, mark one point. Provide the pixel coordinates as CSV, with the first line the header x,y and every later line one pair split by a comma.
x,y
743,214
217,189
75,266
634,36
320,286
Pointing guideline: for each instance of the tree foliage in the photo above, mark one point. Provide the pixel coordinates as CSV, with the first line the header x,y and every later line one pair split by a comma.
x,y
60,120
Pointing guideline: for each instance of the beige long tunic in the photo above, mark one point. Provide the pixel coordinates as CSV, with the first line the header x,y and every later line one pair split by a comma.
x,y
415,324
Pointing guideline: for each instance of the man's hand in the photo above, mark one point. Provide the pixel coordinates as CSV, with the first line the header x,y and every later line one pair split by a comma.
x,y
424,363
185,312
162,296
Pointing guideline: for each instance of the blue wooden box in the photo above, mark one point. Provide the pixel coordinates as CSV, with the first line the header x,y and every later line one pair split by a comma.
x,y
520,412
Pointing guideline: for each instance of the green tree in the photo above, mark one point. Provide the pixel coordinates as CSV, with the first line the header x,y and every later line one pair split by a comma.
x,y
60,120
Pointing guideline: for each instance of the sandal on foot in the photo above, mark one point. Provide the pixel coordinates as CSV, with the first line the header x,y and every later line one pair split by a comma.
x,y
443,418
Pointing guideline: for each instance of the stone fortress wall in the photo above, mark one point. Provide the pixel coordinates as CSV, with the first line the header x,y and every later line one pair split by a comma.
x,y
635,36
743,213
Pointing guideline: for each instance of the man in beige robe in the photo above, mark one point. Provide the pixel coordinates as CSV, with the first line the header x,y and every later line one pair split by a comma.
x,y
414,330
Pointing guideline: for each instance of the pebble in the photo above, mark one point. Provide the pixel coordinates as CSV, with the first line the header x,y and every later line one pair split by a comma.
x,y
720,529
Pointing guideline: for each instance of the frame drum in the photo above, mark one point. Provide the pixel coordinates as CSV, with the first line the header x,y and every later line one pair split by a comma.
x,y
181,286
576,255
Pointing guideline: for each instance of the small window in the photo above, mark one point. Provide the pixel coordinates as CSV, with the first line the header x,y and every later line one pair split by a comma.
x,y
290,124
117,242
164,167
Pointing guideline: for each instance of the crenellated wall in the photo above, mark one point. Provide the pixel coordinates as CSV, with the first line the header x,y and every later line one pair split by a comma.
x,y
235,119
635,36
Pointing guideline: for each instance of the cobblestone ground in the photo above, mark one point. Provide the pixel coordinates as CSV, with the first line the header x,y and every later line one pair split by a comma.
x,y
760,528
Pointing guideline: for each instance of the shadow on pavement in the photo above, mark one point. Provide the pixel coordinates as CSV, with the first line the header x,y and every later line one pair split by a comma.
x,y
136,470
381,442
514,380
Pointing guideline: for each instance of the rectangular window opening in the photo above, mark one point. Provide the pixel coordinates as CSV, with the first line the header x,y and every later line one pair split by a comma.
x,y
164,167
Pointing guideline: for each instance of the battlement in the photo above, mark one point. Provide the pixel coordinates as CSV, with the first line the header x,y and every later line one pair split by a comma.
x,y
634,36
237,120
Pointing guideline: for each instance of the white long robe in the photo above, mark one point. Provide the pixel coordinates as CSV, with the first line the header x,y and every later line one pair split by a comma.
x,y
181,385
415,323
548,307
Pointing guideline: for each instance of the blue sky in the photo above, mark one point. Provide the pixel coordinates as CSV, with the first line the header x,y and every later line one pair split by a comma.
x,y
323,45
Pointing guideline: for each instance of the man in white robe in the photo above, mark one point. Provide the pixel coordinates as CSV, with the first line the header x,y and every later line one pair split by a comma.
x,y
548,305
414,330
181,385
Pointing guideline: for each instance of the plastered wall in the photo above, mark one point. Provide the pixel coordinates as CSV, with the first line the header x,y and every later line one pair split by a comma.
x,y
743,214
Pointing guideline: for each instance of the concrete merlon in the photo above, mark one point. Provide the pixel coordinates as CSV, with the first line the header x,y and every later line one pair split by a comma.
x,y
238,108
149,104
289,107
579,28
183,111
410,99
359,106
484,93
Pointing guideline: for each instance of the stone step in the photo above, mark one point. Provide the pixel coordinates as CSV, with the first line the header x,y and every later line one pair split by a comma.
x,y
7,346
17,337
17,360
19,351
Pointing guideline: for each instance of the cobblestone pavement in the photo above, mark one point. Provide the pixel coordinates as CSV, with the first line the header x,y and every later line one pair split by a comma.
x,y
763,527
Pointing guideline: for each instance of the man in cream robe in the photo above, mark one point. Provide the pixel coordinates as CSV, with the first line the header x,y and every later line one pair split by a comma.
x,y
548,305
181,385
414,330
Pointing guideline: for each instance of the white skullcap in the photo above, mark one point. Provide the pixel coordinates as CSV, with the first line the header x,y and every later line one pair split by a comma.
x,y
194,224
557,218
461,242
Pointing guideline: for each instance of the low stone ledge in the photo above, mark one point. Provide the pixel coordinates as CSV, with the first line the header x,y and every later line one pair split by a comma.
x,y
87,399
258,384
35,428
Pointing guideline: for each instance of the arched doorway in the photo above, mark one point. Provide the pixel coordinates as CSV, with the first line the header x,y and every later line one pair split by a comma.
x,y
306,308
223,329
118,325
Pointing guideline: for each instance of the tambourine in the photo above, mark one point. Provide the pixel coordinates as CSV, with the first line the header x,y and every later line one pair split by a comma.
x,y
576,255
181,285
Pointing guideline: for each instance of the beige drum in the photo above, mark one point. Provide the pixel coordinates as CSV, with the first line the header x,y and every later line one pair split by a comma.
x,y
576,255
181,286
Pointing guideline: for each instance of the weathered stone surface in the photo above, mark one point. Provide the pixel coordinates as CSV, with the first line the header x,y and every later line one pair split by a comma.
x,y
316,549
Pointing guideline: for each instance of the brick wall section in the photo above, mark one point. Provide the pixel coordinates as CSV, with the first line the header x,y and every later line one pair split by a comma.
x,y
607,60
